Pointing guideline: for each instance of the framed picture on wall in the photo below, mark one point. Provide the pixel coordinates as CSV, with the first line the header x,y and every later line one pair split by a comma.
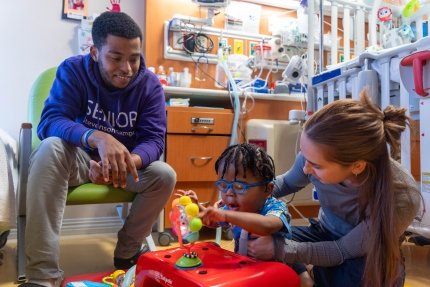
x,y
75,9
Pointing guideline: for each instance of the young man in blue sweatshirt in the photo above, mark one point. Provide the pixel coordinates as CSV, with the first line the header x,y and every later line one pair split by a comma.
x,y
103,122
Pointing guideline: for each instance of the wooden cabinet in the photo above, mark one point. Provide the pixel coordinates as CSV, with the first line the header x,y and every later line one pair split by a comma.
x,y
193,156
415,150
195,139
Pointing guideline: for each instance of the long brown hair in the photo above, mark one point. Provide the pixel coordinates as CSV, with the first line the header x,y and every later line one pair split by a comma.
x,y
350,130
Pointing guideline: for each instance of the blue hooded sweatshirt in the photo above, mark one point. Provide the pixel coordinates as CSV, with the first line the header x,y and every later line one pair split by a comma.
x,y
79,100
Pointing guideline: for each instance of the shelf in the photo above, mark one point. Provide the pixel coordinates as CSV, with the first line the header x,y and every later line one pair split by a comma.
x,y
207,94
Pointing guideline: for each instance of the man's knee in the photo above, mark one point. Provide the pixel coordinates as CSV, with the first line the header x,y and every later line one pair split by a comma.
x,y
50,150
50,146
164,172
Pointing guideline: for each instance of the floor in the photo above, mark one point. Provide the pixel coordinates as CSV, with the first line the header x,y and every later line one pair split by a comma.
x,y
87,254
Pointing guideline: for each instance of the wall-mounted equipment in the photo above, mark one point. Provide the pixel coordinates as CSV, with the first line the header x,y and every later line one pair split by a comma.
x,y
212,3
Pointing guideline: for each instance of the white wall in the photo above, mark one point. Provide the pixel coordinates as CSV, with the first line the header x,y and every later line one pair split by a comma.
x,y
34,38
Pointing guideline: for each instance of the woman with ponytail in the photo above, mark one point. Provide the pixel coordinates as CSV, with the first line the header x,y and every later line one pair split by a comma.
x,y
367,199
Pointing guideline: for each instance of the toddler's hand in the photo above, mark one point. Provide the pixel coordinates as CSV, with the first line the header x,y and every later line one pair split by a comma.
x,y
219,204
211,216
95,173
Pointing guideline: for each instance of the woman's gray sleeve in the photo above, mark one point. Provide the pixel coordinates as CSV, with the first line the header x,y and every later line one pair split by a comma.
x,y
355,243
291,181
324,253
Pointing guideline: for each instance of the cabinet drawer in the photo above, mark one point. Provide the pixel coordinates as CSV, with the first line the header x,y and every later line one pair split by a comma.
x,y
199,120
193,156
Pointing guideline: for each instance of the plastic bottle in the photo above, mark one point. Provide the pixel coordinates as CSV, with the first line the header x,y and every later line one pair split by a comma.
x,y
162,75
220,77
186,78
172,78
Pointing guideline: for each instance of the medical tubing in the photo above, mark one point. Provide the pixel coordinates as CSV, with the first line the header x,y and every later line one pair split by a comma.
x,y
236,102
235,92
236,109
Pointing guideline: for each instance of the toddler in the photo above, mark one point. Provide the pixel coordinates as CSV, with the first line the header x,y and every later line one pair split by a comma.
x,y
245,174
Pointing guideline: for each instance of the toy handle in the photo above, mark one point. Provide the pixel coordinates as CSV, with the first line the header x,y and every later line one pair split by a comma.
x,y
179,234
417,60
176,224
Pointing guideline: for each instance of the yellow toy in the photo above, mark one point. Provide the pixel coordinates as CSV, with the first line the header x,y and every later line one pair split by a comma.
x,y
410,8
116,279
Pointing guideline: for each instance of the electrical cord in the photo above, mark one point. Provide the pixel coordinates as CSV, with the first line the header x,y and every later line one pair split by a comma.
x,y
203,43
196,42
207,74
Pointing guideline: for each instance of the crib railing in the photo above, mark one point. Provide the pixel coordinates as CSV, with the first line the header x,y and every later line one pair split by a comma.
x,y
376,69
363,19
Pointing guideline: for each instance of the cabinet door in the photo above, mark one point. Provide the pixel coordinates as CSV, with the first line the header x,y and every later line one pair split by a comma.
x,y
193,156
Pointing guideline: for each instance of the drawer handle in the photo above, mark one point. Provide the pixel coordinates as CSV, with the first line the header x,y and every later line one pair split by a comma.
x,y
206,128
206,159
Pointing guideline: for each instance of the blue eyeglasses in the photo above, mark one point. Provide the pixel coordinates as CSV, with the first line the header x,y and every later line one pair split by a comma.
x,y
236,186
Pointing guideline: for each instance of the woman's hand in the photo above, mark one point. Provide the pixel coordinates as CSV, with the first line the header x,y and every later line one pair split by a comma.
x,y
262,248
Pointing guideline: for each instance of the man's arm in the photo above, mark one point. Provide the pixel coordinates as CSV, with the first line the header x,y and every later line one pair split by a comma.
x,y
62,107
151,126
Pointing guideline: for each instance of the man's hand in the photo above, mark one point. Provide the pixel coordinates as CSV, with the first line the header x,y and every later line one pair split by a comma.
x,y
116,160
262,248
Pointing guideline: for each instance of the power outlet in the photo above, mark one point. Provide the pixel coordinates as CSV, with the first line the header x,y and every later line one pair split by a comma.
x,y
178,41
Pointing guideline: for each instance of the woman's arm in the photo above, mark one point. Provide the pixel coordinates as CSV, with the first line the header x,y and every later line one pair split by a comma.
x,y
324,253
332,253
293,180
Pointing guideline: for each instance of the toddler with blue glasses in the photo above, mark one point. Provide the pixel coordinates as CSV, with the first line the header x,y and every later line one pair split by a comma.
x,y
245,174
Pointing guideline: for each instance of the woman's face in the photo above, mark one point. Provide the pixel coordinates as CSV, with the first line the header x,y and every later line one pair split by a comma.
x,y
254,197
325,171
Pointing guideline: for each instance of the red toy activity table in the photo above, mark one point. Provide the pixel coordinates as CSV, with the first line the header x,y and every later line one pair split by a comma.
x,y
219,267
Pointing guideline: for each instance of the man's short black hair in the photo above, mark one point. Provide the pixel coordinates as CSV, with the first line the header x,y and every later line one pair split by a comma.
x,y
116,24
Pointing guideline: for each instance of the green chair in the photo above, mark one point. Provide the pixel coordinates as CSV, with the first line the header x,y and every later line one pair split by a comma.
x,y
88,193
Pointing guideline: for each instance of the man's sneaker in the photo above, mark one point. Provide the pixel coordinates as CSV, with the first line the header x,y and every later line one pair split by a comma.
x,y
120,263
